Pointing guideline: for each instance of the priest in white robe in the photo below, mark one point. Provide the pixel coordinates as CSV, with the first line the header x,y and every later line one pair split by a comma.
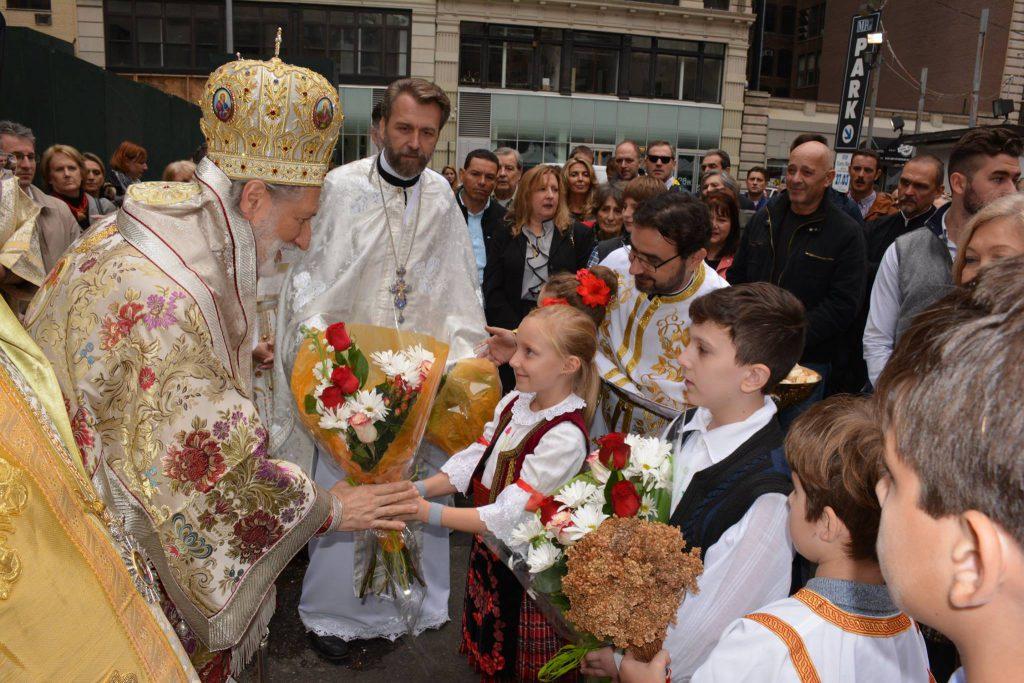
x,y
391,249
660,274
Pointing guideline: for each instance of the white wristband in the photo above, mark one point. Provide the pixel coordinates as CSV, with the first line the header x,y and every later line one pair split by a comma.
x,y
421,487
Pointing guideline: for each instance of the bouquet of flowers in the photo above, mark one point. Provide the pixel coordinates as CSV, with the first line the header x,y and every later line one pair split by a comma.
x,y
367,404
629,479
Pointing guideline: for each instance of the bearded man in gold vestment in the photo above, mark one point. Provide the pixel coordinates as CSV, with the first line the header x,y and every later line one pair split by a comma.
x,y
149,323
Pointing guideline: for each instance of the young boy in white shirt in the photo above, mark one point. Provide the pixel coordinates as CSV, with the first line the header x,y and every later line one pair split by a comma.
x,y
951,537
730,479
843,626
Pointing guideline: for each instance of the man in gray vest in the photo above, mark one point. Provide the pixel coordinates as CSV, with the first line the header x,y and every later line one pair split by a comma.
x,y
916,269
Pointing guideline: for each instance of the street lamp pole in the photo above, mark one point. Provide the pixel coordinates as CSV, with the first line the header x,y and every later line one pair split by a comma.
x,y
876,66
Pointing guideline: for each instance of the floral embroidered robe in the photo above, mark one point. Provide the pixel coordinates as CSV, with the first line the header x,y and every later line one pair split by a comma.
x,y
157,380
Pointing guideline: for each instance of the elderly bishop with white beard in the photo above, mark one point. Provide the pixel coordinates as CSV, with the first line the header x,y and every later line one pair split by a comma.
x,y
390,249
148,321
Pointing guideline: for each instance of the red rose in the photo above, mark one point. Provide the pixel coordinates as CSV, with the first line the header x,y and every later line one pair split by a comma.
x,y
343,378
332,397
614,451
625,499
548,507
337,336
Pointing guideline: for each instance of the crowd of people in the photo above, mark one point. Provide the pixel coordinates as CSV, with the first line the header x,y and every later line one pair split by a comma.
x,y
870,531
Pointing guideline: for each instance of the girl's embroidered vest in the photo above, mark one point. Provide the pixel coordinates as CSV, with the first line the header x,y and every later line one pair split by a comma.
x,y
510,462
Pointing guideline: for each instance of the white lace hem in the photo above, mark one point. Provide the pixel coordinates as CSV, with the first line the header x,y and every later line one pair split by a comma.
x,y
460,467
506,513
392,629
522,414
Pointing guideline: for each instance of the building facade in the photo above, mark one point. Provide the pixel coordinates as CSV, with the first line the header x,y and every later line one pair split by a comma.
x,y
538,75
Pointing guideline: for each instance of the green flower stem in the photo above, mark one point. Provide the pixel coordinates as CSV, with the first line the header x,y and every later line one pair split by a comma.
x,y
568,658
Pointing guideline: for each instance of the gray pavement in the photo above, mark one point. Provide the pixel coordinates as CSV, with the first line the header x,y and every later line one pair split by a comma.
x,y
433,656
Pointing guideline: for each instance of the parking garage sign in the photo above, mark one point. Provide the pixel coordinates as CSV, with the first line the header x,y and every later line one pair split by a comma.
x,y
856,83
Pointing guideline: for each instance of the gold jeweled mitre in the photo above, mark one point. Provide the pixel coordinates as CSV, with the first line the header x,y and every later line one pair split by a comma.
x,y
270,121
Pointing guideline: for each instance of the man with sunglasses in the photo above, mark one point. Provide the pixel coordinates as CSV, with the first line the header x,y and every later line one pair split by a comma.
x,y
661,164
660,273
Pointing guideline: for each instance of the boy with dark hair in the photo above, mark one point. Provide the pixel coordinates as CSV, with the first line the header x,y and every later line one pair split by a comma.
x,y
844,625
951,537
730,480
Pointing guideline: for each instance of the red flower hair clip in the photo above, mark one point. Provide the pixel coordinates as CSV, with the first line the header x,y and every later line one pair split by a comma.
x,y
553,301
593,290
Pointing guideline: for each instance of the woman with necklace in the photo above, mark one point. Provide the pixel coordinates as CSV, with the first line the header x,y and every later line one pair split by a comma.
x,y
542,239
63,169
580,186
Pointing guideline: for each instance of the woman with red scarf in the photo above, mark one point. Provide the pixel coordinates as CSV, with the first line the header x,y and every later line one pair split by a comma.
x,y
63,168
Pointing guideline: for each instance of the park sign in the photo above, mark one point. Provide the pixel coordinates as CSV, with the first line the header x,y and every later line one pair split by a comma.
x,y
856,82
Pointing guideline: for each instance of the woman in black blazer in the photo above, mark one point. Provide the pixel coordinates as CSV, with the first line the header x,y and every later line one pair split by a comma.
x,y
540,240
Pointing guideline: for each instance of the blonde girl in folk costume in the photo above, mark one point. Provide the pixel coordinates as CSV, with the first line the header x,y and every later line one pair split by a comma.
x,y
536,442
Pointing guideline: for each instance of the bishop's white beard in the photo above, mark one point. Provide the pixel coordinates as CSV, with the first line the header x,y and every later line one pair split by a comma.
x,y
268,244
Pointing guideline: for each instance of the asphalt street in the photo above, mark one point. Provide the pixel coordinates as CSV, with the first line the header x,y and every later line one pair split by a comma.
x,y
433,656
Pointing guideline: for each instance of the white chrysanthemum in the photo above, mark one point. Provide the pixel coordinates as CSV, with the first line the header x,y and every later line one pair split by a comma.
x,y
585,520
528,531
387,361
648,507
422,358
647,459
542,556
663,479
576,494
333,418
370,403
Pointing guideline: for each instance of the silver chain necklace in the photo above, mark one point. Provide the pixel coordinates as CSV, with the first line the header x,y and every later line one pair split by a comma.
x,y
400,289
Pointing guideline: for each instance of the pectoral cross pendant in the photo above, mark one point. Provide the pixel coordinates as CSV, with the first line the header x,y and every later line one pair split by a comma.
x,y
400,289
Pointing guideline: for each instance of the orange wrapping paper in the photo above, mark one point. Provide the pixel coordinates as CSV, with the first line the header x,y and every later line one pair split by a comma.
x,y
464,404
370,339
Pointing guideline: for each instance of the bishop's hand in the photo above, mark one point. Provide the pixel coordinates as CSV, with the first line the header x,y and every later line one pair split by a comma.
x,y
499,347
375,506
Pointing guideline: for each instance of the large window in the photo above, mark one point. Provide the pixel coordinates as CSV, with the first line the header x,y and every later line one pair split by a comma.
x,y
359,46
528,58
497,56
595,63
163,35
811,22
676,69
807,69
39,5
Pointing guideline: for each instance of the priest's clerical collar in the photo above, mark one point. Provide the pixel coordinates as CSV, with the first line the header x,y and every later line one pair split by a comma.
x,y
392,178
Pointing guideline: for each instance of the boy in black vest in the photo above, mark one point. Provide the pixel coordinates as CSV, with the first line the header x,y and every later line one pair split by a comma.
x,y
730,480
